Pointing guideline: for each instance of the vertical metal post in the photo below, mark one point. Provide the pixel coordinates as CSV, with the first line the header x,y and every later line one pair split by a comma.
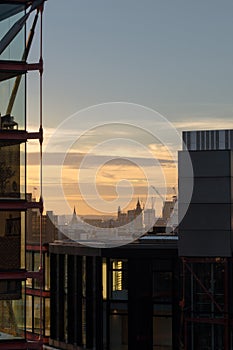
x,y
226,306
41,192
192,308
185,335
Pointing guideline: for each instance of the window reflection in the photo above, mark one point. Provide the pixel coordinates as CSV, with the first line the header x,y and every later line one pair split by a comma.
x,y
12,312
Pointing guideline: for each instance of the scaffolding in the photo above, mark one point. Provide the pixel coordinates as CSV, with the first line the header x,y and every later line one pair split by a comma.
x,y
205,307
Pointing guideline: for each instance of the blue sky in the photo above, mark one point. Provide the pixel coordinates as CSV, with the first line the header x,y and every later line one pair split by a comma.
x,y
175,56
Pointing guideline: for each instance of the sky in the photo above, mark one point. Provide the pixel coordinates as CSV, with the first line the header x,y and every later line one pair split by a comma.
x,y
171,56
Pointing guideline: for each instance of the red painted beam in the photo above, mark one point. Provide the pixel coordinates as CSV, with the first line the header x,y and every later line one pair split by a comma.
x,y
20,135
27,2
37,292
19,66
21,345
20,205
21,275
36,337
36,248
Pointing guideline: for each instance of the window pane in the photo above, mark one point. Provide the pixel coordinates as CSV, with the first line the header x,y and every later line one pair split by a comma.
x,y
12,245
37,315
47,272
29,267
12,312
29,315
104,279
119,276
14,51
47,317
15,120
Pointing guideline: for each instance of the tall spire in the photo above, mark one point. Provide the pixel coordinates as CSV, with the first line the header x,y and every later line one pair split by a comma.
x,y
138,207
74,220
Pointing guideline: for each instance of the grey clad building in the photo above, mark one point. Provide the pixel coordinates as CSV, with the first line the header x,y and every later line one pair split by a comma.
x,y
205,239
206,229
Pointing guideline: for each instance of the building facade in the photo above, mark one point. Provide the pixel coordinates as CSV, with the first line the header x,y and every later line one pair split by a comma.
x,y
205,239
120,298
14,50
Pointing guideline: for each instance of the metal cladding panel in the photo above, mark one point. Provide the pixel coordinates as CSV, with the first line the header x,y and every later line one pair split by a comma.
x,y
207,190
217,163
206,217
204,243
231,159
208,139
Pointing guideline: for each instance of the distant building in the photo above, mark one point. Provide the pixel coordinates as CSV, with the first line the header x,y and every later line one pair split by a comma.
x,y
122,218
149,218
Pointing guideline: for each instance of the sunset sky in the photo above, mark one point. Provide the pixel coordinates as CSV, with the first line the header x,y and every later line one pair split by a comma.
x,y
174,57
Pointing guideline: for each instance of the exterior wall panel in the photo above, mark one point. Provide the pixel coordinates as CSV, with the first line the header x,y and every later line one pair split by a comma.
x,y
205,229
207,190
206,163
205,243
207,217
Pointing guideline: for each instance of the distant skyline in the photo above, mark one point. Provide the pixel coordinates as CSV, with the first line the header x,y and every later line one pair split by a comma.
x,y
172,56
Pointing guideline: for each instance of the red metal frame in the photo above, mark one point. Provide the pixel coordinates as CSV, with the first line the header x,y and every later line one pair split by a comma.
x,y
10,69
21,275
36,292
19,66
35,248
26,2
225,319
21,205
24,345
20,135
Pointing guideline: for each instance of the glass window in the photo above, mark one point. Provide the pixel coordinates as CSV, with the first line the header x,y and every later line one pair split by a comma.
x,y
36,261
29,311
119,278
36,268
47,272
12,170
14,50
12,320
13,118
12,246
47,317
29,259
37,315
104,279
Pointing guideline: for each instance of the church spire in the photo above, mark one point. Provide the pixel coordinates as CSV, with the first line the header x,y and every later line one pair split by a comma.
x,y
138,207
74,220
